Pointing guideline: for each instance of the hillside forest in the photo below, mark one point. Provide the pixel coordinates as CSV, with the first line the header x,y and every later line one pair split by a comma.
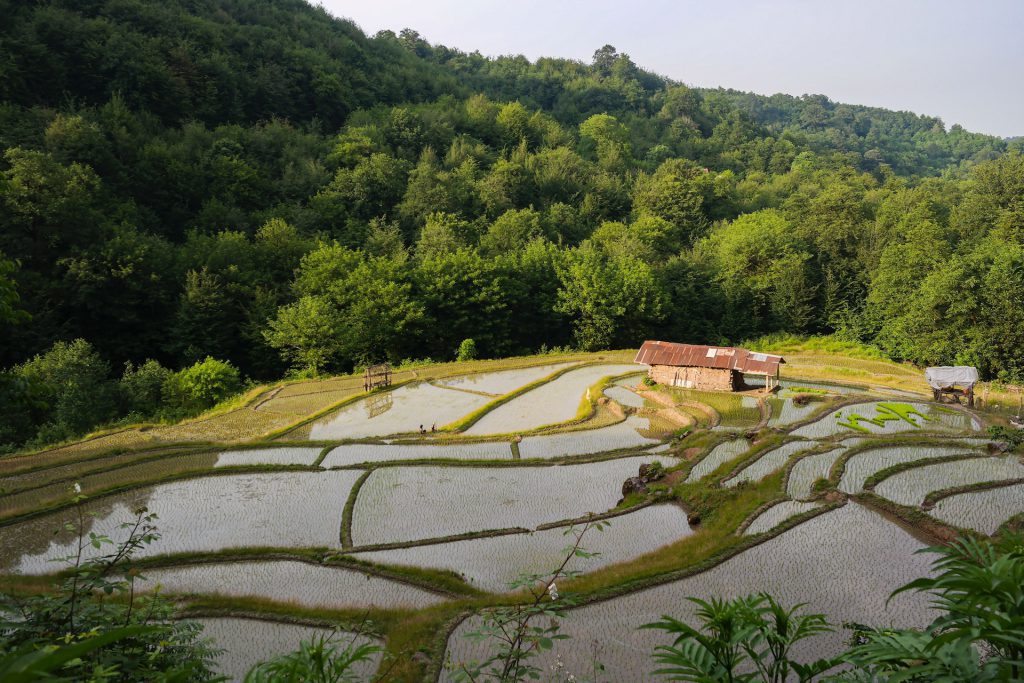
x,y
195,194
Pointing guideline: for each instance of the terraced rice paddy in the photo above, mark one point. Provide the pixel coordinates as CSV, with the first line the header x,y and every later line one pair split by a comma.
x,y
493,563
353,454
268,456
777,514
769,462
401,410
808,470
940,419
862,465
398,504
551,403
205,514
621,435
734,411
247,642
911,486
843,562
502,381
719,455
983,510
864,557
149,470
794,386
300,583
71,471
786,412
624,396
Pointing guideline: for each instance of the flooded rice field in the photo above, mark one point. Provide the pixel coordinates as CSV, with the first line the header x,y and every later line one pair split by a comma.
x,y
862,465
624,396
268,456
354,454
786,412
502,381
247,642
808,470
864,557
493,563
204,514
777,514
626,434
300,583
551,403
97,481
768,462
720,454
855,418
398,504
982,511
911,486
402,410
793,386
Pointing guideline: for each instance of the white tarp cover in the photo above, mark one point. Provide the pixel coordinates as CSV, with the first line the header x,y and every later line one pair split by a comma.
x,y
951,375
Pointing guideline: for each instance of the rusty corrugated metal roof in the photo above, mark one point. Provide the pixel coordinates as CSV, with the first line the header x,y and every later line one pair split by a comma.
x,y
699,356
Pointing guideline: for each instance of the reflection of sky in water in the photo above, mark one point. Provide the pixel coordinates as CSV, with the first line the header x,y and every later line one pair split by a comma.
x,y
911,486
808,470
862,465
982,511
303,583
844,563
398,504
777,514
613,437
721,453
492,563
556,401
289,509
411,406
769,462
502,381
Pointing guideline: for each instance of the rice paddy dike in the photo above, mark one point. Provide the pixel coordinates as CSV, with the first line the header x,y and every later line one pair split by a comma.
x,y
310,506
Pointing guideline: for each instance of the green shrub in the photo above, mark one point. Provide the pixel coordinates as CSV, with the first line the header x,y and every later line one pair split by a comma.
x,y
648,381
467,350
201,386
141,387
71,380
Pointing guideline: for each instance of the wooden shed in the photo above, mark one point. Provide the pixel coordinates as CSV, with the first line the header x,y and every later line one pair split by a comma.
x,y
718,368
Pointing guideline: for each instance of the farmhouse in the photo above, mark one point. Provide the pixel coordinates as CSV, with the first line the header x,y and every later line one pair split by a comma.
x,y
718,368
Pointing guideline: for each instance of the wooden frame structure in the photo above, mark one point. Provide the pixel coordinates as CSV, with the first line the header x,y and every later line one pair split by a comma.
x,y
377,376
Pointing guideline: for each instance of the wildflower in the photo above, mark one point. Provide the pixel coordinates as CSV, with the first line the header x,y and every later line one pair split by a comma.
x,y
553,591
78,487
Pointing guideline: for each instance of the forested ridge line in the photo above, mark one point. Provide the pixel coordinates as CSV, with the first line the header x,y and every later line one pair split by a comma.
x,y
260,183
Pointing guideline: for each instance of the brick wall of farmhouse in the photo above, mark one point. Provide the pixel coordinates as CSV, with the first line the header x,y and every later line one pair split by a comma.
x,y
716,379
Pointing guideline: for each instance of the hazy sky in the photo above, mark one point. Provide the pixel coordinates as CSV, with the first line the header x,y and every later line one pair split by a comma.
x,y
962,61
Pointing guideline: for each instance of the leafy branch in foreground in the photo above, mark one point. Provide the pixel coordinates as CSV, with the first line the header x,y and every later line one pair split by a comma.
x,y
978,587
735,636
96,598
324,659
513,634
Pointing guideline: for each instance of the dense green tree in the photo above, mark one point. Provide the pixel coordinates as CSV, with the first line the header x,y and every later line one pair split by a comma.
x,y
613,301
674,193
72,381
175,175
307,333
141,387
201,386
